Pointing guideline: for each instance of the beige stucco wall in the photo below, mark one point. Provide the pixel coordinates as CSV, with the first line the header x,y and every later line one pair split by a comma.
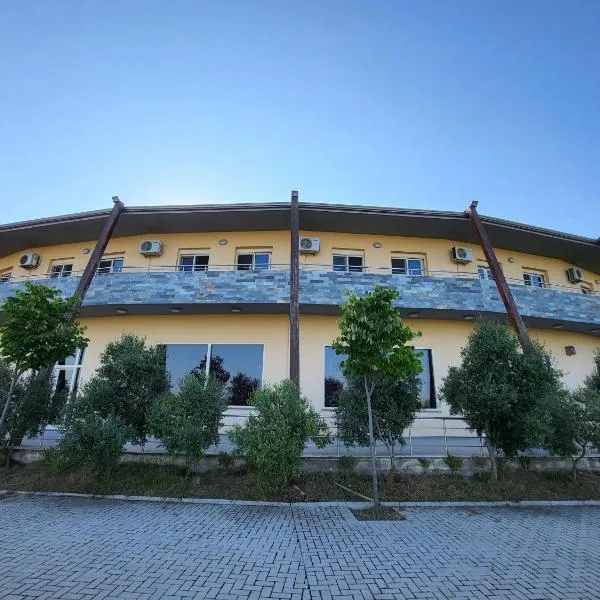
x,y
436,253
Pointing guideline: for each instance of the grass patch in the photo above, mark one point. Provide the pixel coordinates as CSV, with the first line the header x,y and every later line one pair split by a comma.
x,y
382,513
240,484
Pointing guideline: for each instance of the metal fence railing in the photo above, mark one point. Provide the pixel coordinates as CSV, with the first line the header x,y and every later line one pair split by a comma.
x,y
368,270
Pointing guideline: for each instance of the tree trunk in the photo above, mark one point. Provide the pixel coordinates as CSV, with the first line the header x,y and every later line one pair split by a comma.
x,y
368,392
576,460
492,458
8,402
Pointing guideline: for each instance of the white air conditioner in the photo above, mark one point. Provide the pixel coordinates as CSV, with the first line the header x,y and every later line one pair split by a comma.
x,y
574,274
310,245
151,247
29,260
461,255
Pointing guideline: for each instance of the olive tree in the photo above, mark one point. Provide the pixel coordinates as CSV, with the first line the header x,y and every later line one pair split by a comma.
x,y
395,404
187,422
501,392
130,376
38,330
374,342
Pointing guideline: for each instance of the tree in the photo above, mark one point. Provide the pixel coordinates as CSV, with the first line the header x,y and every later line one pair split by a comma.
x,y
130,376
501,392
272,441
395,405
374,342
188,422
593,380
38,331
575,424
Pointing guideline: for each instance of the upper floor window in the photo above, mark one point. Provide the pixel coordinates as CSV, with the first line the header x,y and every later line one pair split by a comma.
x,y
66,373
485,273
587,289
249,261
61,270
5,275
193,262
111,265
348,262
407,266
534,279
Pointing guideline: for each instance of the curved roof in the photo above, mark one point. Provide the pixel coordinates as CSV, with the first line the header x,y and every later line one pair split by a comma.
x,y
152,220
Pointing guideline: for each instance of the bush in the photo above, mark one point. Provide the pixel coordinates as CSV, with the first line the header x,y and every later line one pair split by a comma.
x,y
525,461
5,455
188,422
454,463
272,441
130,376
225,460
347,463
425,464
93,442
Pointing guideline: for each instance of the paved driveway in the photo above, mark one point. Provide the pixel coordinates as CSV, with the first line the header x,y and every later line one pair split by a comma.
x,y
76,549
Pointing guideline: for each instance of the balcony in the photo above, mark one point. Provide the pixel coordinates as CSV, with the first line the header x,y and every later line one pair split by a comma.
x,y
442,295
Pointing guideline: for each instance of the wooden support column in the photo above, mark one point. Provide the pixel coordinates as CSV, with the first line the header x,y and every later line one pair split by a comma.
x,y
94,262
295,290
503,289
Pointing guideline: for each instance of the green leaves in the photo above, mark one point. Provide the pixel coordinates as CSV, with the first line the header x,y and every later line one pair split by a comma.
x,y
38,328
188,422
373,337
272,441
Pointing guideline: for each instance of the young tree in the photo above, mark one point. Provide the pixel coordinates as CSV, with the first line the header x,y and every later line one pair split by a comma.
x,y
130,376
575,424
272,441
188,422
38,330
395,405
374,341
593,380
501,392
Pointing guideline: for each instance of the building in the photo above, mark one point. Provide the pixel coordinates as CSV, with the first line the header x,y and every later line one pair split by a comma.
x,y
212,283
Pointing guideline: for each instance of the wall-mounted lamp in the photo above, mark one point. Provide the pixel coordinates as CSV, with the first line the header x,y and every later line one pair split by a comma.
x,y
377,245
85,251
121,311
176,309
468,317
413,315
236,309
223,242
511,259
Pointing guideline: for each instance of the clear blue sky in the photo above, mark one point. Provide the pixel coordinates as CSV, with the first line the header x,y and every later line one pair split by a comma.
x,y
420,103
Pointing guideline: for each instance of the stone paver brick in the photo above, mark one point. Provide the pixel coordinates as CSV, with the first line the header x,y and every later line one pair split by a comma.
x,y
83,549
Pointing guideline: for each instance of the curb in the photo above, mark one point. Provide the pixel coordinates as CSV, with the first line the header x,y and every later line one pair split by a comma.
x,y
306,505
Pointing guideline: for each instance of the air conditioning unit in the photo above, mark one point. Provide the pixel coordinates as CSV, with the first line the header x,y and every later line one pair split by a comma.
x,y
574,274
29,260
151,247
461,255
310,245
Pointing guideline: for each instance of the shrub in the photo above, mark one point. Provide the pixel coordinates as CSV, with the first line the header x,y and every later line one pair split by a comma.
x,y
188,422
347,463
5,455
93,442
525,461
130,376
225,460
425,464
480,462
272,441
454,463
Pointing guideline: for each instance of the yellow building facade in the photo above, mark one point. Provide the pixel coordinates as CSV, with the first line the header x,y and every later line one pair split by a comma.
x,y
214,287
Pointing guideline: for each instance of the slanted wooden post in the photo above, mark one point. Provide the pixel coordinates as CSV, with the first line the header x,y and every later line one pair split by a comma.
x,y
295,290
505,293
94,262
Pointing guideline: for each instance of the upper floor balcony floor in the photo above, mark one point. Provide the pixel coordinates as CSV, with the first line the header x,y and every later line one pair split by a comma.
x,y
264,288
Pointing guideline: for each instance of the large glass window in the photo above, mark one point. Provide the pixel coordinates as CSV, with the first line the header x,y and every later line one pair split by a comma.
x,y
248,261
61,270
238,366
193,262
335,381
66,373
407,266
111,265
346,262
485,273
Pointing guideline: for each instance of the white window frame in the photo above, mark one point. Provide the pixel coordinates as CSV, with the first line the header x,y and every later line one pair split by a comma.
x,y
75,368
348,267
407,270
61,273
531,274
193,268
112,260
253,254
5,275
486,271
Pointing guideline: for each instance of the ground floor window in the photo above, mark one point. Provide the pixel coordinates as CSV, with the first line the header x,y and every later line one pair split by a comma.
x,y
335,381
66,374
238,366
